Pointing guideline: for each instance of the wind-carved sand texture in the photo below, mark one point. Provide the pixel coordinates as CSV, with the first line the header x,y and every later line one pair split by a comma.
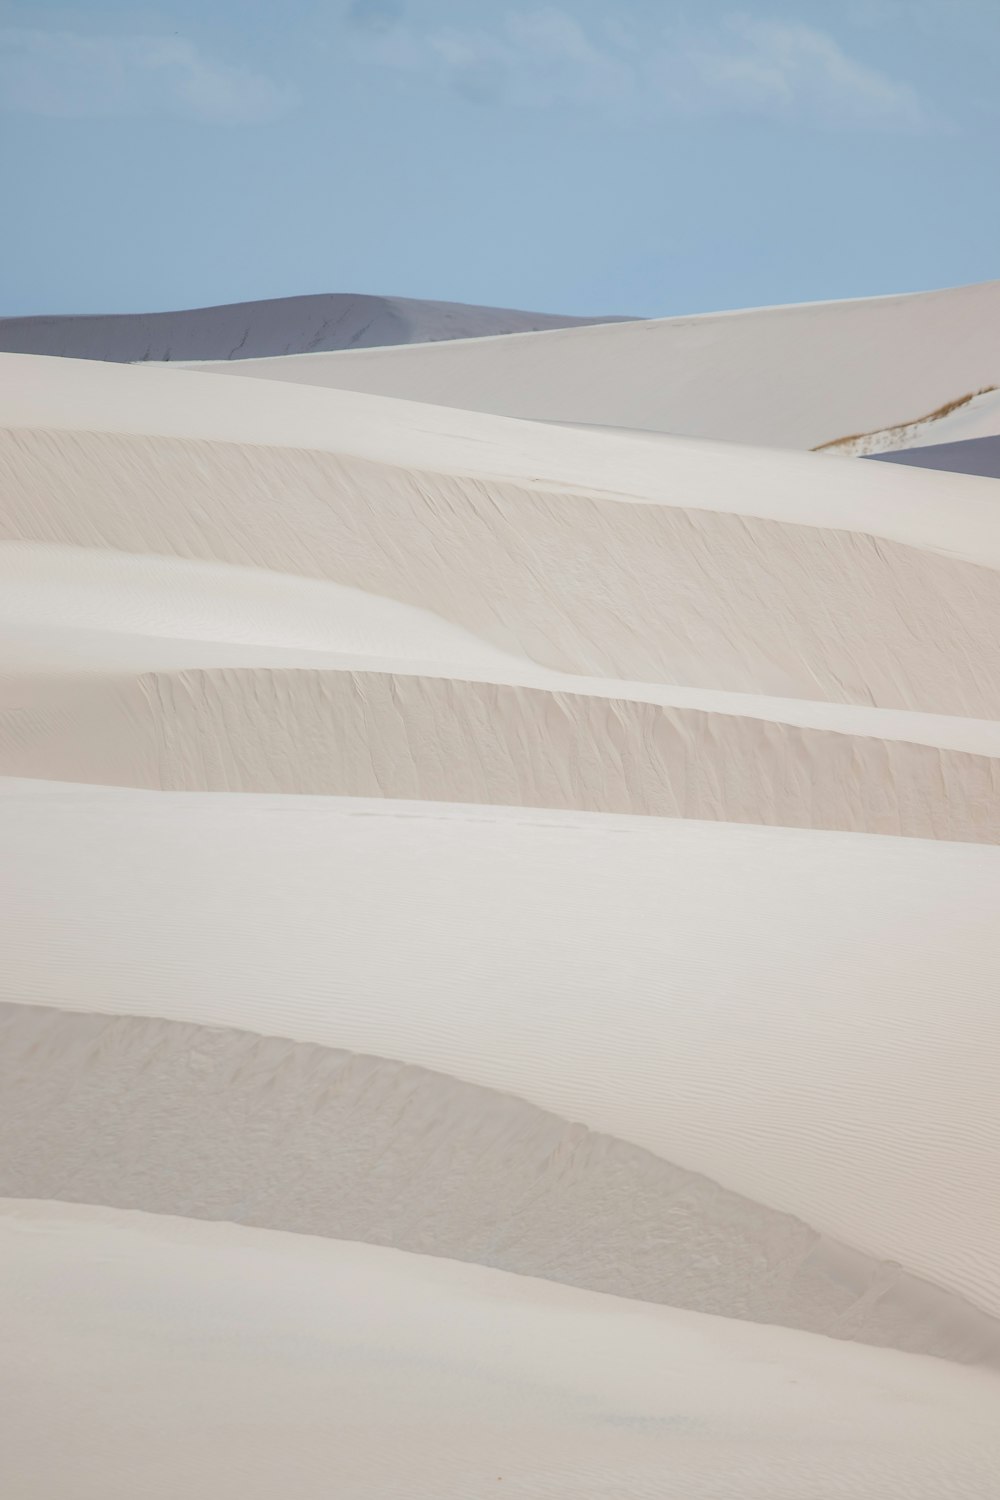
x,y
499,959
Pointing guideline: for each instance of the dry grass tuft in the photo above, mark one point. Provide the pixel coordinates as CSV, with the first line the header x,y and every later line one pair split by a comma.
x,y
931,416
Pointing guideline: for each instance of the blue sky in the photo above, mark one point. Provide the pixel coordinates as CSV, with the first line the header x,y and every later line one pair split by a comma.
x,y
589,156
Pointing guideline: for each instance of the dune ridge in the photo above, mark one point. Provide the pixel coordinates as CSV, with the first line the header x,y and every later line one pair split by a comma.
x,y
654,978
218,1124
279,325
643,592
787,377
374,733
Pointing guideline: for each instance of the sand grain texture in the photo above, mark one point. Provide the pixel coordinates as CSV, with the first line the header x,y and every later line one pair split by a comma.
x,y
499,927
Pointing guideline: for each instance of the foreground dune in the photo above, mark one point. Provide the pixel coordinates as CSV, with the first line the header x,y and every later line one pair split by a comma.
x,y
217,1123
805,1018
176,1337
791,377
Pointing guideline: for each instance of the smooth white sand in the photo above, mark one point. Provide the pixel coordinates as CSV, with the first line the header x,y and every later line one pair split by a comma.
x,y
807,1018
247,587
572,580
222,1124
222,1363
784,376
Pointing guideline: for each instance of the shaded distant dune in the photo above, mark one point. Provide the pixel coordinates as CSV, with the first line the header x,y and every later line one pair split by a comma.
x,y
280,325
974,456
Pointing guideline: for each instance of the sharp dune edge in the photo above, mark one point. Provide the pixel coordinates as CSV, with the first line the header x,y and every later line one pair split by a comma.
x,y
673,983
972,418
375,733
309,1138
792,377
527,851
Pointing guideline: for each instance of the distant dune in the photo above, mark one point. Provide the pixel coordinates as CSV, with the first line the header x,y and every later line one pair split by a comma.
x,y
973,456
792,377
283,325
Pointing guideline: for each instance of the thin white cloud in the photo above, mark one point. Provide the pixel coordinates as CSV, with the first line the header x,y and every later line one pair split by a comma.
x,y
741,65
67,75
784,69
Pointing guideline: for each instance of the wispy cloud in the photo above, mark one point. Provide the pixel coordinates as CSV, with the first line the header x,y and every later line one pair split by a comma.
x,y
783,69
742,65
68,75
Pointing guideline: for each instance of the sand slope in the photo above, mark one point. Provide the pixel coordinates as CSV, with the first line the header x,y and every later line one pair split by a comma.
x,y
806,1018
551,846
233,1364
966,419
282,325
214,1123
783,376
822,578
381,733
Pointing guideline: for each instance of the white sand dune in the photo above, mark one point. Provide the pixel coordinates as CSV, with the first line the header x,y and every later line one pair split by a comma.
x,y
806,1018
221,1124
368,732
564,850
160,672
952,515
224,1363
790,377
673,592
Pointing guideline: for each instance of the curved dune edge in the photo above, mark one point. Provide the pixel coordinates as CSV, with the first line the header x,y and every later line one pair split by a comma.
x,y
276,325
79,589
807,1018
222,1124
645,593
174,1335
438,738
793,377
953,516
82,612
